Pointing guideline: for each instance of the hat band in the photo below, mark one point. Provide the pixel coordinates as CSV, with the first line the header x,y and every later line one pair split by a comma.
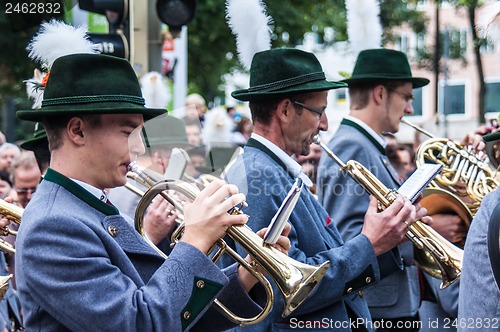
x,y
273,86
93,99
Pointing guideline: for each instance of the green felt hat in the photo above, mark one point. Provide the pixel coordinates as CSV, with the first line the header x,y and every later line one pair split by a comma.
x,y
284,71
166,131
91,84
383,64
39,139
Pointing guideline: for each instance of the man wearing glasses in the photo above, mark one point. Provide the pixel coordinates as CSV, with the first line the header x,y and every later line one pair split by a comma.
x,y
381,92
26,176
288,98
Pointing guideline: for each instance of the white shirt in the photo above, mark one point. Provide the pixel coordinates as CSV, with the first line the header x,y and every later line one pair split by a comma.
x,y
100,194
368,129
291,165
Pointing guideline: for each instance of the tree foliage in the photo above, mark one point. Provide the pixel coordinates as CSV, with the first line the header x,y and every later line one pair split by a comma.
x,y
212,47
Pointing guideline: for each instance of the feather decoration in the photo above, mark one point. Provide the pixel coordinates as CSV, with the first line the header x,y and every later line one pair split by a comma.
x,y
488,21
56,39
363,24
251,26
154,90
34,90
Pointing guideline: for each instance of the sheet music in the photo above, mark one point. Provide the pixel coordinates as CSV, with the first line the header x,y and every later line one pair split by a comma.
x,y
281,217
416,183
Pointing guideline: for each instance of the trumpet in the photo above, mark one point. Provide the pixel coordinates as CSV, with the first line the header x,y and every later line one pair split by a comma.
x,y
13,213
295,280
466,177
432,252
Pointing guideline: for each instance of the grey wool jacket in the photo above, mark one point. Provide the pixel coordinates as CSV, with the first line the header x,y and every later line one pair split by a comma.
x,y
82,267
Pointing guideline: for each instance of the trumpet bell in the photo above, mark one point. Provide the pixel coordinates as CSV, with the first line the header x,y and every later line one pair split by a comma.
x,y
442,260
295,280
437,200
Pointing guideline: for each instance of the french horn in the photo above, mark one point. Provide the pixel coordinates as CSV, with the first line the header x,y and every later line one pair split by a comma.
x,y
294,279
432,253
464,181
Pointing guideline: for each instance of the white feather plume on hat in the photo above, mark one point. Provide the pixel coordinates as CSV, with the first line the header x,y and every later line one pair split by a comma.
x,y
251,26
488,20
363,24
154,90
54,39
32,89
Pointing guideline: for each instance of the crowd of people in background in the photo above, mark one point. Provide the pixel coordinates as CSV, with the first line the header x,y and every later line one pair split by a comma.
x,y
370,272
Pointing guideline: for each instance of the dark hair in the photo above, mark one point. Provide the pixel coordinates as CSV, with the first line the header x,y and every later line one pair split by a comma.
x,y
5,176
262,111
54,126
240,125
359,93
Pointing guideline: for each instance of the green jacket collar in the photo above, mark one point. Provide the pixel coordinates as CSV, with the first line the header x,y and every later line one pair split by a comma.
x,y
362,130
79,192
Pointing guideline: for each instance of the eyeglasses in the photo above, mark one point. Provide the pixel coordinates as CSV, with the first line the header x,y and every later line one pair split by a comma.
x,y
25,191
407,97
310,108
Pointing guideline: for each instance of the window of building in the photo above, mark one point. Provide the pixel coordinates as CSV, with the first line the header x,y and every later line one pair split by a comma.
x,y
454,99
455,41
402,43
492,102
420,46
487,47
417,102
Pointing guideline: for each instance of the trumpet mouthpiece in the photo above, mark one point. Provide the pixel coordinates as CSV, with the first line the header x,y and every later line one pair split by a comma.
x,y
133,167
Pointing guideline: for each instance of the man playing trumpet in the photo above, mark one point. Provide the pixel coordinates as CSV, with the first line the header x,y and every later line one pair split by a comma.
x,y
80,264
381,92
288,96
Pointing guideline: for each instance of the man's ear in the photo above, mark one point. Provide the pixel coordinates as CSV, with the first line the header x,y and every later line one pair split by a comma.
x,y
379,93
283,110
75,130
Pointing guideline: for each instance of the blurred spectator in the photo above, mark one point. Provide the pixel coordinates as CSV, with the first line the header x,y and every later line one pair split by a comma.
x,y
391,150
197,160
3,139
309,164
195,109
390,140
406,158
234,115
8,152
193,131
244,129
25,179
5,184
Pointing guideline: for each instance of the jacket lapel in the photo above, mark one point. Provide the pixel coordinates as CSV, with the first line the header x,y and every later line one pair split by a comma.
x,y
390,170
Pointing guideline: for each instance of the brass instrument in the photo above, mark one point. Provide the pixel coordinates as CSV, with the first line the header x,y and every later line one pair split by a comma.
x,y
466,177
295,280
13,213
4,285
432,252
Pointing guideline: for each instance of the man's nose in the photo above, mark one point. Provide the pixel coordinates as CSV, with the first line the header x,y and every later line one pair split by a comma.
x,y
323,122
